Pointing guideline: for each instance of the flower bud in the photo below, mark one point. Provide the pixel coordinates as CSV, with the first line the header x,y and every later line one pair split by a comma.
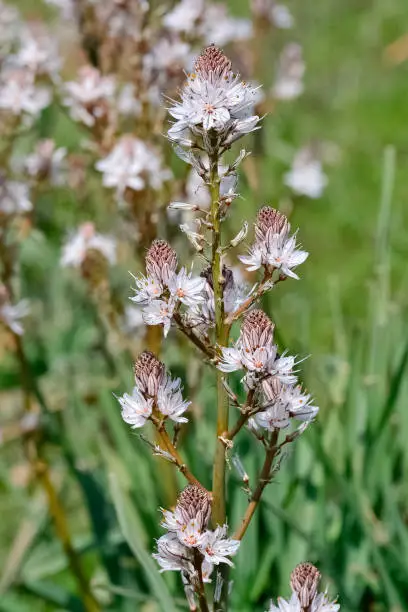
x,y
257,330
213,60
161,261
270,219
304,581
149,372
194,502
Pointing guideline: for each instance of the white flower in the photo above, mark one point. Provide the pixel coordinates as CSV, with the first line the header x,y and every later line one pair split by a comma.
x,y
38,55
46,162
306,176
298,403
11,315
216,547
187,289
132,164
133,320
127,102
190,534
172,555
86,238
276,251
215,100
67,8
19,93
231,360
89,97
289,80
135,408
320,603
282,368
148,288
170,400
184,15
293,605
277,14
14,197
275,417
220,28
159,312
255,258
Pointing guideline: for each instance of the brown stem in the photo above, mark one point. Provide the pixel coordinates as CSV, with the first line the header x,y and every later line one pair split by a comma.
x,y
200,589
246,413
170,448
233,316
193,337
264,479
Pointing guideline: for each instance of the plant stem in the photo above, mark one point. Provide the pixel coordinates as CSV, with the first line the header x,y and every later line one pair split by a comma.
x,y
200,590
221,339
164,438
264,479
193,337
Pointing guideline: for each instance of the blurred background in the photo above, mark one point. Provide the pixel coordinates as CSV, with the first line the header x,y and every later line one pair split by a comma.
x,y
78,488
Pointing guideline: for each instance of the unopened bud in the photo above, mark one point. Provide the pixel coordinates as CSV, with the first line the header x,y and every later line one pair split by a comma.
x,y
149,372
304,581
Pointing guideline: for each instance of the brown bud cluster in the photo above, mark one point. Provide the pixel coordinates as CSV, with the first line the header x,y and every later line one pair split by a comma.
x,y
269,218
213,60
161,260
304,581
149,372
257,330
194,502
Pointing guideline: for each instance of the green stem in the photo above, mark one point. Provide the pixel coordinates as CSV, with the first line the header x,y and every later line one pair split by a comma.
x,y
221,339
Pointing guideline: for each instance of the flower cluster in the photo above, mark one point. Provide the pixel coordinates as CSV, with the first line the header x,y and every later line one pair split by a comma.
x,y
155,392
188,546
11,314
274,248
304,582
306,177
213,100
272,374
163,289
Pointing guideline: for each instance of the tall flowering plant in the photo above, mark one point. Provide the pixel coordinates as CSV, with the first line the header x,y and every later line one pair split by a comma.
x,y
216,109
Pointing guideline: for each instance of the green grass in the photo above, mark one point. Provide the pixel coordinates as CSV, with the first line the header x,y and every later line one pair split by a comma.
x,y
340,497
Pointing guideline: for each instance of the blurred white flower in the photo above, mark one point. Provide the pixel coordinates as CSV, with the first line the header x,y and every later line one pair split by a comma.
x,y
84,239
306,176
20,95
46,162
14,197
277,14
169,55
10,26
11,314
184,16
89,97
220,28
128,103
38,54
289,78
66,7
132,164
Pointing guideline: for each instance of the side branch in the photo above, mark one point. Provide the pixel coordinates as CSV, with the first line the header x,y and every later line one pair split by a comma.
x,y
171,449
260,290
264,479
193,337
